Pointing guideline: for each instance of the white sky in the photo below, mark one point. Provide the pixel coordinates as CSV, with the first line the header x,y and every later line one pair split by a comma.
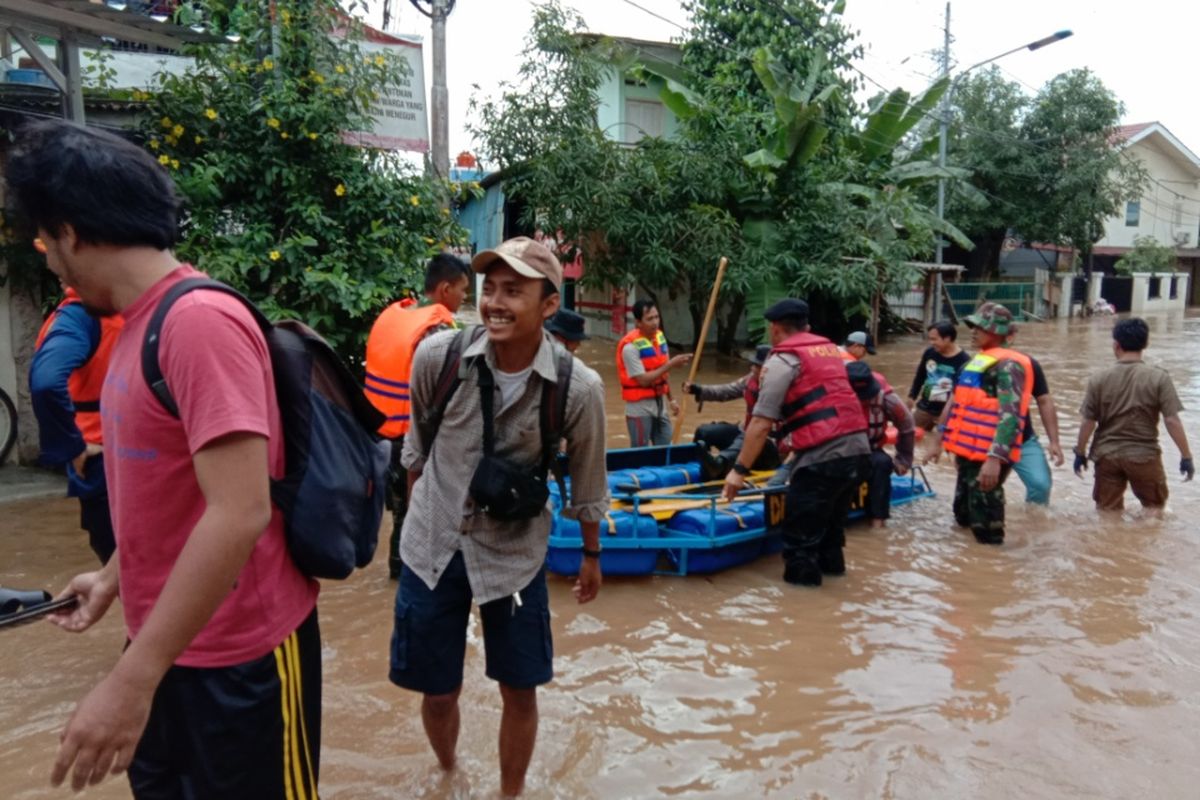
x,y
1142,51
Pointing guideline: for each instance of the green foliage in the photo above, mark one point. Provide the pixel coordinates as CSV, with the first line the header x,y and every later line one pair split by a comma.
x,y
1147,255
277,204
1042,166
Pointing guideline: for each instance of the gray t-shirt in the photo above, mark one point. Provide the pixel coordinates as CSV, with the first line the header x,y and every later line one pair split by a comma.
x,y
651,407
778,374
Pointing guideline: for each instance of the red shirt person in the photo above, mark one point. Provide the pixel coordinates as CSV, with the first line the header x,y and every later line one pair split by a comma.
x,y
223,660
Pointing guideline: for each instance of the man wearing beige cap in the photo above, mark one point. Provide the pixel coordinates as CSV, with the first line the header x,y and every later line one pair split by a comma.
x,y
478,521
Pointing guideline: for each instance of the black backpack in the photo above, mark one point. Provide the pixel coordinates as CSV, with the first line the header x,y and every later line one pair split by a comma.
x,y
551,417
331,494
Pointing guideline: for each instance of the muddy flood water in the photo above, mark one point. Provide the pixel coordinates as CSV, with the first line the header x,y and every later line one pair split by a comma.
x,y
1064,664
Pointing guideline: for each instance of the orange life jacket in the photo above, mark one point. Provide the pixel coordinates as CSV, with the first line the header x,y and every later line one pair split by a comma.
x,y
654,355
390,347
820,406
846,355
86,383
975,415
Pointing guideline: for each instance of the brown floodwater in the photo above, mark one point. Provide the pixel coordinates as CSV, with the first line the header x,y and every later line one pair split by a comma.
x,y
1064,664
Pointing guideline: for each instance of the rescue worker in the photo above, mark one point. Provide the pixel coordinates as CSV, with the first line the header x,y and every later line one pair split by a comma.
x,y
982,424
881,405
725,436
643,361
858,346
70,361
806,399
390,346
568,328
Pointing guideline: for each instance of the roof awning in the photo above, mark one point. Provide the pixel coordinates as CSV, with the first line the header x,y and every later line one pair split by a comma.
x,y
87,23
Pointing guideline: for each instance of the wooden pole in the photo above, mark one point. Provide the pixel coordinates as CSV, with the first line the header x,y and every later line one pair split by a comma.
x,y
677,433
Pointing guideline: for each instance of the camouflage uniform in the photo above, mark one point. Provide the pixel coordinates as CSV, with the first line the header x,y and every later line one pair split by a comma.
x,y
983,512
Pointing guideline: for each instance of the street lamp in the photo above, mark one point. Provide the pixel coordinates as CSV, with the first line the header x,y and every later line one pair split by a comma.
x,y
943,131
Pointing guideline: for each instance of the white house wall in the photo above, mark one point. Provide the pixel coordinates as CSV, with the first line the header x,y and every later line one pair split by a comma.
x,y
1164,214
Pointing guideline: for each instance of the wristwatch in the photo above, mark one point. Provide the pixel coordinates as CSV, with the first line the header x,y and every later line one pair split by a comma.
x,y
591,553
740,469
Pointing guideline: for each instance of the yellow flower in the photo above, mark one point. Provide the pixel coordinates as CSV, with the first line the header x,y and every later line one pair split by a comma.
x,y
283,135
416,201
268,64
340,190
380,61
276,255
174,163
428,240
314,136
285,17
177,130
339,69
199,139
153,144
272,123
166,122
164,159
171,140
211,113
445,212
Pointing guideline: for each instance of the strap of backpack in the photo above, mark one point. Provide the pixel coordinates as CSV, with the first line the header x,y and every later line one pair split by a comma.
x,y
151,369
447,384
553,414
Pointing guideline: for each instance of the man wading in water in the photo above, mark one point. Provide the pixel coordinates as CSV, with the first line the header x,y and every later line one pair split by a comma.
x,y
455,552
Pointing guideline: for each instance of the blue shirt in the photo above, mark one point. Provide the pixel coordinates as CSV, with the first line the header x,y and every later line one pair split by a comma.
x,y
70,343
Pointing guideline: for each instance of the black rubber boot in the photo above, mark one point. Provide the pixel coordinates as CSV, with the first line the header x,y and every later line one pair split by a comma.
x,y
714,468
802,572
833,561
984,536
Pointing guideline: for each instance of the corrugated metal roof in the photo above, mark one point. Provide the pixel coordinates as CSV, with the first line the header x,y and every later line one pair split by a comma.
x,y
95,20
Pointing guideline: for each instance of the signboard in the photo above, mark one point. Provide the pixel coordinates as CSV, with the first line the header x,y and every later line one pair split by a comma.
x,y
400,114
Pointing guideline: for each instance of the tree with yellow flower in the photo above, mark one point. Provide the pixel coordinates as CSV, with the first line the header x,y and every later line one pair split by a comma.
x,y
305,225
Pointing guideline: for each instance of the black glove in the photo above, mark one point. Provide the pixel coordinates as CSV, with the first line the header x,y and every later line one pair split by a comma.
x,y
1186,467
1080,463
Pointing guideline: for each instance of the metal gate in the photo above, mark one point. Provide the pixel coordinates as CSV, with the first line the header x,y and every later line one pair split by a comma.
x,y
1019,298
1118,291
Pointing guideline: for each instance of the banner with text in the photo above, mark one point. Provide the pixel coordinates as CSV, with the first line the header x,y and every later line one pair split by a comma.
x,y
401,120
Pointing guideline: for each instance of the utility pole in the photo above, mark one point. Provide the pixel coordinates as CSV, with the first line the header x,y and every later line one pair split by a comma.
x,y
943,133
439,95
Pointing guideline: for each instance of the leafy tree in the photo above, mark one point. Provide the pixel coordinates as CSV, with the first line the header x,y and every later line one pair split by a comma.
x,y
1044,166
1147,255
277,203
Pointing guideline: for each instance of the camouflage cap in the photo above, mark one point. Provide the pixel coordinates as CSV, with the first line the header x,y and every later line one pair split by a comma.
x,y
993,318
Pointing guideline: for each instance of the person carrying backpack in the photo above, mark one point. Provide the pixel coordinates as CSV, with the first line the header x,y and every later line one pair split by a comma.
x,y
478,522
222,667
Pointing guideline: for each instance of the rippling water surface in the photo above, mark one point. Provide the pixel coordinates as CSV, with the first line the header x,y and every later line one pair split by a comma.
x,y
1063,664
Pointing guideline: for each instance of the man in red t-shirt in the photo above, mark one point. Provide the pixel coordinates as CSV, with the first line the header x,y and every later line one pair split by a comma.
x,y
218,691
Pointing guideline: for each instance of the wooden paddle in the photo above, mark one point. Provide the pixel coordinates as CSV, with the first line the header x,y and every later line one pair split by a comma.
x,y
677,433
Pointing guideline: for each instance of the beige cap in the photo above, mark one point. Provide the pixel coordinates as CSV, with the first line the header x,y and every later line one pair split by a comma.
x,y
528,258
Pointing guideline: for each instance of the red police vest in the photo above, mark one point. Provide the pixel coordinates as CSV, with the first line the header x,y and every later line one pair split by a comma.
x,y
820,405
751,395
86,383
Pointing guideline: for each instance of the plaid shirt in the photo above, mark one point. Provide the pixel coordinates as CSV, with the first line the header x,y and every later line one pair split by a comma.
x,y
501,557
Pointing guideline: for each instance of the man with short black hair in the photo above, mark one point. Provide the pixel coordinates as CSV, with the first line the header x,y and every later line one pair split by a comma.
x,y
455,552
643,365
1122,406
937,371
806,402
218,690
390,346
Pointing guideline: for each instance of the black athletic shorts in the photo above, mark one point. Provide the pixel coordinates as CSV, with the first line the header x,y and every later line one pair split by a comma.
x,y
252,730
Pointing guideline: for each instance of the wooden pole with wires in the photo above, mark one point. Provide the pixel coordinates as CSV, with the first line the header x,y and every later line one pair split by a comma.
x,y
677,433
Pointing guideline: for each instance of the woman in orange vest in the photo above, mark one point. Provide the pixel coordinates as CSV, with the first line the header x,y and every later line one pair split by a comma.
x,y
390,347
643,362
983,422
70,362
